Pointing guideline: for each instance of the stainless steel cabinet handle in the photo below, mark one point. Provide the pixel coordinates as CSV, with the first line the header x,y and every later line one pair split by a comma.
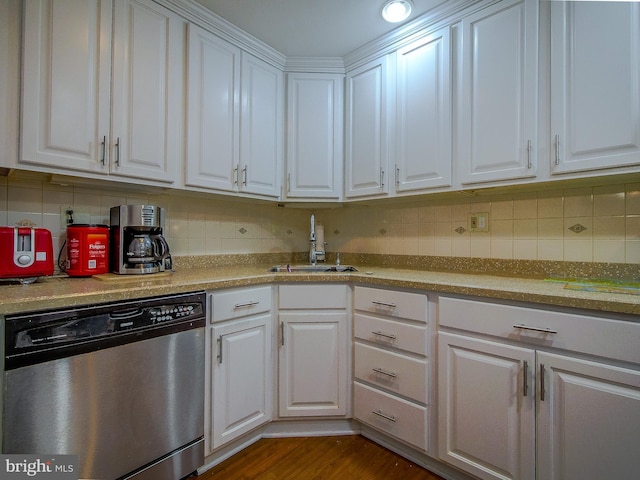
x,y
529,154
385,372
103,145
381,178
525,384
252,303
282,333
384,415
557,144
235,176
244,176
535,329
220,350
117,151
542,392
385,335
289,182
397,175
384,304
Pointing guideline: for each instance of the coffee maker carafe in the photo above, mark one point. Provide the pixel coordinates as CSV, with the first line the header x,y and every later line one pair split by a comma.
x,y
137,241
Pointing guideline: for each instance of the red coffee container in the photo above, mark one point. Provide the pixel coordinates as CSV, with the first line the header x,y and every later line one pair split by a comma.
x,y
87,250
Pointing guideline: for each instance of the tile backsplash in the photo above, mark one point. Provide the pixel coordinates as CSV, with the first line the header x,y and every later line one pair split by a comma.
x,y
586,224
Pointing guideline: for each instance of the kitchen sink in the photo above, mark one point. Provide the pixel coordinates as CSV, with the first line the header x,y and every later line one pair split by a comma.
x,y
312,268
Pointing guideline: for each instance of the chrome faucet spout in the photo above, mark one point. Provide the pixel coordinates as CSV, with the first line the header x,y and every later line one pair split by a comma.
x,y
312,241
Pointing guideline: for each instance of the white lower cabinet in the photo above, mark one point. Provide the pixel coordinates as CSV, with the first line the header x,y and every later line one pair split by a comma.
x,y
391,391
390,414
486,423
589,420
519,411
239,363
314,351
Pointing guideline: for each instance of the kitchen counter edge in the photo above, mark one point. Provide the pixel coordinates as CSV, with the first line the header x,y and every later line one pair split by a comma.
x,y
62,292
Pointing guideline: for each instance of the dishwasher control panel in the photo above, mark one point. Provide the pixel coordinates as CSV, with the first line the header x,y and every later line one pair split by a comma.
x,y
166,314
108,324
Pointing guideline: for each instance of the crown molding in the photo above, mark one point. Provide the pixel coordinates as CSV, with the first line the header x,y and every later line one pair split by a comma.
x,y
314,65
443,15
205,18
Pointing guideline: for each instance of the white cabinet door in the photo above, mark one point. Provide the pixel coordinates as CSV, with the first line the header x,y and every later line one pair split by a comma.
x,y
261,127
314,137
103,102
147,95
313,364
10,57
496,114
589,420
595,85
423,123
241,378
213,111
66,84
369,92
486,418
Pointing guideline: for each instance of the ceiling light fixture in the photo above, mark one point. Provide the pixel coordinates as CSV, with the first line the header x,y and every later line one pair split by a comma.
x,y
394,11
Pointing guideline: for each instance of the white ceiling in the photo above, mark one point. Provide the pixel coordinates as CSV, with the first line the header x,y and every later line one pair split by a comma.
x,y
312,28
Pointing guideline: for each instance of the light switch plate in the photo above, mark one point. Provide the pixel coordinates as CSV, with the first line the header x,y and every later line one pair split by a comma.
x,y
479,222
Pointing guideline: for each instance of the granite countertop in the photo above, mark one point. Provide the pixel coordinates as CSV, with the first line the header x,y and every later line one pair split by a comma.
x,y
63,291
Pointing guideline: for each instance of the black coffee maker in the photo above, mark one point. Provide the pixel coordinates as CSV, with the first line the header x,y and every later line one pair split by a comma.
x,y
137,242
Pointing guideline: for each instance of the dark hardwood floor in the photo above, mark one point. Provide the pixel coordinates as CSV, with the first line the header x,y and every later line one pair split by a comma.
x,y
350,457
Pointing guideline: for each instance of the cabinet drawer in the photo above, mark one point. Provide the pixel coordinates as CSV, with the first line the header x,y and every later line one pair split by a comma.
x,y
397,373
395,416
412,306
312,296
615,339
230,304
389,333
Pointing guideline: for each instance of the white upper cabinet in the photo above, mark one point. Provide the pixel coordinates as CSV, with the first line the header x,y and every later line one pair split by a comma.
x,y
261,127
497,90
66,84
235,118
595,85
84,112
369,93
423,118
147,94
314,138
10,32
213,118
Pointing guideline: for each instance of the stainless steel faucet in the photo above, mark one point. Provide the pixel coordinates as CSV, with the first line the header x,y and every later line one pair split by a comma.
x,y
313,248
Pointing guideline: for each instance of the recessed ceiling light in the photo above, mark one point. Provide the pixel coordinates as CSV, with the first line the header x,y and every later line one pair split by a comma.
x,y
395,11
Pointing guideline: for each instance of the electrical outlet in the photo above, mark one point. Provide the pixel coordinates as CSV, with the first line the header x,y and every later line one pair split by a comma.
x,y
70,215
479,222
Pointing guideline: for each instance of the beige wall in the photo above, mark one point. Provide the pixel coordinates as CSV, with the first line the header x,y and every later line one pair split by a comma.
x,y
533,226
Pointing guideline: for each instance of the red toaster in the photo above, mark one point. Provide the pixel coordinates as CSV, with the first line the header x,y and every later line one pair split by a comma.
x,y
25,252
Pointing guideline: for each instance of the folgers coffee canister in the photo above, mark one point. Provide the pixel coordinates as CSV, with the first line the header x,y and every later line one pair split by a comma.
x,y
87,250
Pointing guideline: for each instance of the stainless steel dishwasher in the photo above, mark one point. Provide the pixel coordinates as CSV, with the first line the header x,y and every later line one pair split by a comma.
x,y
121,385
